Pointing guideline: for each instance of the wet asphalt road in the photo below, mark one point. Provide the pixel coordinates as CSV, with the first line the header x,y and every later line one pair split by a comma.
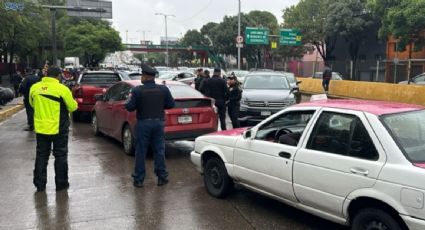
x,y
101,195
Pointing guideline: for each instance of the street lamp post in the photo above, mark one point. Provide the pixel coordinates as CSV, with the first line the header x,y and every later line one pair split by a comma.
x,y
166,35
144,33
239,34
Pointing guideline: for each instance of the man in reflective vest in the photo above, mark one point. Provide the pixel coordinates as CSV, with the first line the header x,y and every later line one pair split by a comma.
x,y
52,103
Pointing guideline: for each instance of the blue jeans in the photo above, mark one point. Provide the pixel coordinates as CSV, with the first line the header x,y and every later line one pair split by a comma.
x,y
150,132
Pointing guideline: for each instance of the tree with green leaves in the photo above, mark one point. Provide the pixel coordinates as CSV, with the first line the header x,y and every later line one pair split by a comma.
x,y
402,19
310,17
91,40
349,20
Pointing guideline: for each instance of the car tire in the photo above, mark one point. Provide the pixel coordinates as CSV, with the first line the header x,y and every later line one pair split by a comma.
x,y
95,125
127,140
76,116
373,218
216,179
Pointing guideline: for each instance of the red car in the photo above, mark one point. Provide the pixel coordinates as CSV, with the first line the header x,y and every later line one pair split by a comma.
x,y
91,83
194,114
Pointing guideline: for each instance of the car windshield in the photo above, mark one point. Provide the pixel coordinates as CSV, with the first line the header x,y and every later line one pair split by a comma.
x,y
99,78
167,76
184,91
290,77
408,130
135,76
266,82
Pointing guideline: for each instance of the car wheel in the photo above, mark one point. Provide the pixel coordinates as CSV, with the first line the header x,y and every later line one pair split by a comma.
x,y
76,116
94,124
374,219
216,180
127,140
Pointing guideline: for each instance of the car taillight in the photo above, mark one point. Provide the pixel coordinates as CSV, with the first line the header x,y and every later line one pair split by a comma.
x,y
79,93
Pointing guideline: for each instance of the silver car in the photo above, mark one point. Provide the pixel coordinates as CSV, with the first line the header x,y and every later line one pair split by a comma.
x,y
264,93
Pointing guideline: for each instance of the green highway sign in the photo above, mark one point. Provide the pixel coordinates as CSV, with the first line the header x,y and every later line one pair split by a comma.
x,y
256,36
290,37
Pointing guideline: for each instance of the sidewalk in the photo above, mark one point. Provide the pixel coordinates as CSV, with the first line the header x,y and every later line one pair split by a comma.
x,y
11,108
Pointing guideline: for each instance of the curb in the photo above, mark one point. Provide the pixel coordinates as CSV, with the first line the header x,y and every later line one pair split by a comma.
x,y
4,114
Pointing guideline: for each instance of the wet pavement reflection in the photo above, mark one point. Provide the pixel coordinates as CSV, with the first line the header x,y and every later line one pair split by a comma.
x,y
102,196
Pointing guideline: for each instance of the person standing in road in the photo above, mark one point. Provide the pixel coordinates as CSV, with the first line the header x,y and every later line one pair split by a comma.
x,y
29,80
235,96
326,78
206,77
216,88
16,82
52,103
198,79
149,101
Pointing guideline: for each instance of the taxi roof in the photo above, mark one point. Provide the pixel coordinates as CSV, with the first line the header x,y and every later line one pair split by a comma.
x,y
374,107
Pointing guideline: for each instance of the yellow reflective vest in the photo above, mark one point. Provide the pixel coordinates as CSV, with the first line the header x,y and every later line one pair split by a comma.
x,y
52,103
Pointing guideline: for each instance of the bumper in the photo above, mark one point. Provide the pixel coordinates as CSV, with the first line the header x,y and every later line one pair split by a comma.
x,y
256,115
414,223
187,134
195,157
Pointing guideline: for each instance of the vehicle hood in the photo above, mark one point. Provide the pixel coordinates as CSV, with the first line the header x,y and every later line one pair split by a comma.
x,y
223,138
266,95
230,132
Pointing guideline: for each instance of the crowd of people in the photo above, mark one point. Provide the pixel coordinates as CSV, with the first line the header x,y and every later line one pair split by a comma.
x,y
227,94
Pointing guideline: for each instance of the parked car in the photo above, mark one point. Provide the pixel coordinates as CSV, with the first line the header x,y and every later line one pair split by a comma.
x,y
91,83
294,85
134,75
335,75
357,163
194,114
264,93
240,74
176,76
417,80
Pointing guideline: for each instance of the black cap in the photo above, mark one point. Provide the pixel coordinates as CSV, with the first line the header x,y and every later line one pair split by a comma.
x,y
200,70
217,70
206,71
148,70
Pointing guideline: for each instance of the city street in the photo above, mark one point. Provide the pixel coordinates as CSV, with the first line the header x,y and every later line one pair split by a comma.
x,y
101,195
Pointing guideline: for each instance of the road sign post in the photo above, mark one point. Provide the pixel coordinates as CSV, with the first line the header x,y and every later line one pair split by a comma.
x,y
290,37
256,36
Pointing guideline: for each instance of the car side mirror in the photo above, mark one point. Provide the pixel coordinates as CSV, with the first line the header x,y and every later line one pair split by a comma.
x,y
247,134
294,89
299,82
98,97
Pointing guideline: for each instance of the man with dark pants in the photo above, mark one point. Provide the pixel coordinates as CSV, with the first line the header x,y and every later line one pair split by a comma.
x,y
52,103
29,80
216,87
326,78
235,96
149,101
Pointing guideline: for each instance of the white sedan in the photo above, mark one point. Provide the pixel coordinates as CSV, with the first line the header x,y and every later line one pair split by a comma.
x,y
357,163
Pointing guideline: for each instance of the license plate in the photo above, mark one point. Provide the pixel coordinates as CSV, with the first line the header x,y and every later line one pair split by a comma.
x,y
184,119
266,113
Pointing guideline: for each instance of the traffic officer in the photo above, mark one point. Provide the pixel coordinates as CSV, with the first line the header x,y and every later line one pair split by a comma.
x,y
216,87
149,101
235,96
52,103
29,80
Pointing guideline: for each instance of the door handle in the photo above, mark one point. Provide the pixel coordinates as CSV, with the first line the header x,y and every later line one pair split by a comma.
x,y
359,171
285,155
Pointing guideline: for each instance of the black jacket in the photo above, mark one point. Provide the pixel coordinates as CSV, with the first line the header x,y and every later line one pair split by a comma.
x,y
26,84
216,87
235,95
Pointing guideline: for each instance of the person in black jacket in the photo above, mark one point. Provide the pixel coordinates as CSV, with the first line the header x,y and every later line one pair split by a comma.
x,y
149,101
216,88
16,82
198,79
29,80
235,96
206,77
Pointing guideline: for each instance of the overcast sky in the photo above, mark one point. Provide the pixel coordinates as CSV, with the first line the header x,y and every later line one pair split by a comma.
x,y
139,15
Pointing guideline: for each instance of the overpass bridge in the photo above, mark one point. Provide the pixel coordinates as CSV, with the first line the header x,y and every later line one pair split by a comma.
x,y
204,53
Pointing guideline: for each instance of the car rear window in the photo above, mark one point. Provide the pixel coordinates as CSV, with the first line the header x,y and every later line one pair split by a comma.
x,y
408,131
99,79
184,91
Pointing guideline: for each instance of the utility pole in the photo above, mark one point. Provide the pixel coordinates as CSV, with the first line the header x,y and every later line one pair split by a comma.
x,y
143,33
239,34
166,36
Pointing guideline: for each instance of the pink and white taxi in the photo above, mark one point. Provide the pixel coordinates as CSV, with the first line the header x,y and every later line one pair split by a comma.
x,y
357,163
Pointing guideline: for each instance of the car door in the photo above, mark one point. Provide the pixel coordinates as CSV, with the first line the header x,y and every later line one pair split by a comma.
x,y
342,154
102,110
108,113
266,164
119,113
